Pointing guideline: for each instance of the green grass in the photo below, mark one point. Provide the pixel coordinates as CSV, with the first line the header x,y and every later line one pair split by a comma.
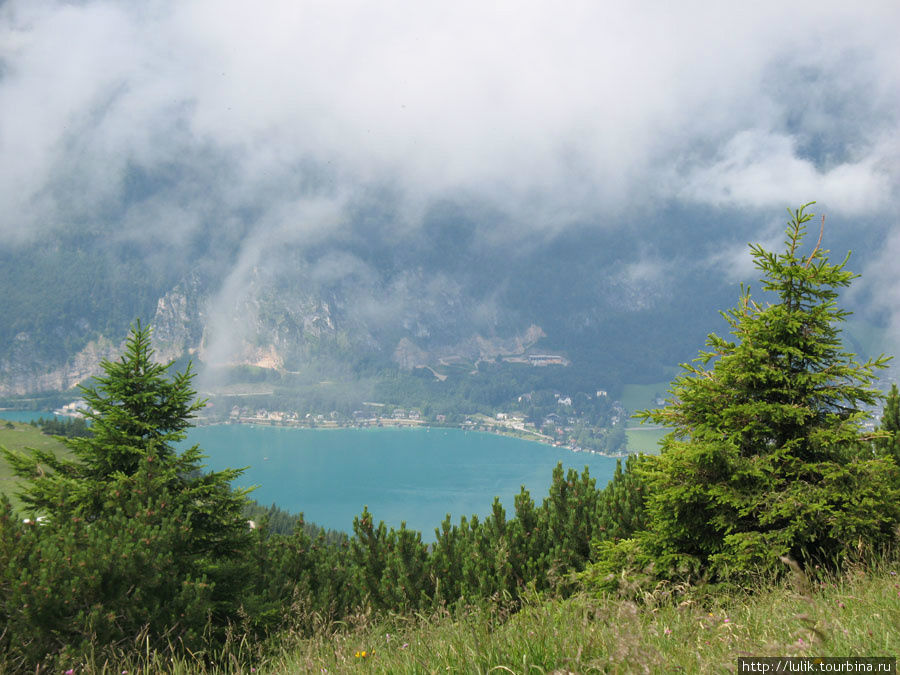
x,y
850,617
18,438
701,632
642,396
646,440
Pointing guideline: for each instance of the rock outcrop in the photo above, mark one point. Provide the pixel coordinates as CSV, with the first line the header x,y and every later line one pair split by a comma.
x,y
179,321
20,380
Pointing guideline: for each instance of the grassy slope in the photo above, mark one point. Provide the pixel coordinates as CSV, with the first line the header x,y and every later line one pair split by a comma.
x,y
642,396
855,616
643,439
18,438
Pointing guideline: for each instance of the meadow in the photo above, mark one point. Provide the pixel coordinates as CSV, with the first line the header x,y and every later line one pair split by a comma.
x,y
17,436
669,630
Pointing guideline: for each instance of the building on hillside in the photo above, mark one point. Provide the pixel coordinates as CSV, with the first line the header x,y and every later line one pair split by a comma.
x,y
547,360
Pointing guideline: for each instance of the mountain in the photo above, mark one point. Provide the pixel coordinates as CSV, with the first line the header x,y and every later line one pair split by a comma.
x,y
334,195
369,301
425,301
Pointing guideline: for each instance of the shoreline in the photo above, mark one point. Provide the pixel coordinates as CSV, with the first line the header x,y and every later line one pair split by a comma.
x,y
487,426
392,423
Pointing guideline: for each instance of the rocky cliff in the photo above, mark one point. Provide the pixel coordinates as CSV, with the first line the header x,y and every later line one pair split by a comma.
x,y
22,374
284,319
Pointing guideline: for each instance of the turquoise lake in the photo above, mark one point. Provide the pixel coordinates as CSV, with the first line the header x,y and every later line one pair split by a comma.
x,y
412,475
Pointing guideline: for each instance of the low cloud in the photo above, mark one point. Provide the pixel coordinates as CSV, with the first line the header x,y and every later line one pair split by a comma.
x,y
167,122
879,289
760,169
544,111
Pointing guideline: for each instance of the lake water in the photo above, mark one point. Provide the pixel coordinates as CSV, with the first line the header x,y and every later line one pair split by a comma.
x,y
412,475
24,415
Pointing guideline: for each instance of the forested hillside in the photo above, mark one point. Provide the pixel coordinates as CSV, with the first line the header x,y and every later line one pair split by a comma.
x,y
339,313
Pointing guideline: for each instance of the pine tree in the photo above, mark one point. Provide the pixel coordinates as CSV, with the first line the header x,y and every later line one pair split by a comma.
x,y
137,416
764,459
570,514
405,583
446,561
889,445
529,546
130,471
369,555
621,510
303,580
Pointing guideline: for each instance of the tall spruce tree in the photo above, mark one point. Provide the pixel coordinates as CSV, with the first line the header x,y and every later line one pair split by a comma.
x,y
137,414
184,526
764,458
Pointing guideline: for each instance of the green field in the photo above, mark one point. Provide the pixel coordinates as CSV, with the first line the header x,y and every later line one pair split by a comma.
x,y
645,439
642,396
18,438
850,615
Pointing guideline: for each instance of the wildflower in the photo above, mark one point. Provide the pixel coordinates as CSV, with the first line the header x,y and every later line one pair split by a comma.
x,y
893,574
726,620
667,631
70,671
841,605
404,645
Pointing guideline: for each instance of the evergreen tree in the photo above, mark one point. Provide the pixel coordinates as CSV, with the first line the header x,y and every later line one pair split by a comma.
x,y
304,579
369,555
764,459
528,543
446,560
570,511
405,583
889,445
622,510
497,550
130,471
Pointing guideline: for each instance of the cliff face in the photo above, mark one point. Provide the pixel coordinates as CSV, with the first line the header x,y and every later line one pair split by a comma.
x,y
283,321
22,375
179,320
409,355
177,329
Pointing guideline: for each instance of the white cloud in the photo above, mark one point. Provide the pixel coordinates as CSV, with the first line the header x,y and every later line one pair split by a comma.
x,y
762,169
881,283
736,262
549,113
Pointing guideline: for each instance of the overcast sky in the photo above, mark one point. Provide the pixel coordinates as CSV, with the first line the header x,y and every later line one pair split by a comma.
x,y
551,113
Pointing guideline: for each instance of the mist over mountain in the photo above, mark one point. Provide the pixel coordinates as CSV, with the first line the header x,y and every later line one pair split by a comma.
x,y
342,189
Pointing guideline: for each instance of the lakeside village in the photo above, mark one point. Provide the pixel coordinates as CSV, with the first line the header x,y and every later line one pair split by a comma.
x,y
562,428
